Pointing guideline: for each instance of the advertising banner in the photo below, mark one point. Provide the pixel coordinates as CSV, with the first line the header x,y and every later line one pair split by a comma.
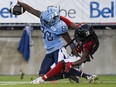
x,y
90,11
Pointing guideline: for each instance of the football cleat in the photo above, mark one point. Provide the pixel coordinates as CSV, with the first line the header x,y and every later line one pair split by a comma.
x,y
92,78
37,80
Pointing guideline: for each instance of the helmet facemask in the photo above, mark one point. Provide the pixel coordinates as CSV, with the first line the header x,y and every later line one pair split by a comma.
x,y
83,30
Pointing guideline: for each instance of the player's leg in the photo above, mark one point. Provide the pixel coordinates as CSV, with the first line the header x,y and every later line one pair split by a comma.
x,y
51,73
46,63
59,55
75,74
54,70
45,67
60,64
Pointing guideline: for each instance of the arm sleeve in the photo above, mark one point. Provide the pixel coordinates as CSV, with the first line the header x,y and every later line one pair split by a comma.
x,y
67,21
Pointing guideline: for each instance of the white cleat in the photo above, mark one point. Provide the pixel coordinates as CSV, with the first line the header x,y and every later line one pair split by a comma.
x,y
92,78
37,80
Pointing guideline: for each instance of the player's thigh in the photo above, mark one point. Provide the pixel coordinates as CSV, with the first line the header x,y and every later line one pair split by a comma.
x,y
61,54
56,56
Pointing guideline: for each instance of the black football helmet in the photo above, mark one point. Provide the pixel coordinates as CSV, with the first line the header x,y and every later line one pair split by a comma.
x,y
84,30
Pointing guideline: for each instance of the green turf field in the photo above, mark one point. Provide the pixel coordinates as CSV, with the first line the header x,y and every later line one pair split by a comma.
x,y
15,81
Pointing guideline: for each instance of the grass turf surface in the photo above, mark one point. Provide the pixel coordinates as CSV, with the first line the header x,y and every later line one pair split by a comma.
x,y
15,81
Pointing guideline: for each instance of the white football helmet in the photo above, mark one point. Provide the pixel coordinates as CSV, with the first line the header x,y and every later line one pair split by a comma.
x,y
50,17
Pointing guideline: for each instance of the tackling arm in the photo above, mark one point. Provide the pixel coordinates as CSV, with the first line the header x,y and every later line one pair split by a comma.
x,y
68,39
30,9
69,65
83,58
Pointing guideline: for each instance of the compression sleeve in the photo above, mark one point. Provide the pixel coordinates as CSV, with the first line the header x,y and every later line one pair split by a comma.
x,y
67,21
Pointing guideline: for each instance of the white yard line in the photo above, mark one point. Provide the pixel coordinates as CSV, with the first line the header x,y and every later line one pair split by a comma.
x,y
27,82
14,82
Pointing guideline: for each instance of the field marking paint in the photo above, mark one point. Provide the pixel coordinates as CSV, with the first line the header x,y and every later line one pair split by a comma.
x,y
14,82
29,82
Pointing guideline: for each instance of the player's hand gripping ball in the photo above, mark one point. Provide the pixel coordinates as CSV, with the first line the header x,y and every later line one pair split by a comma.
x,y
17,10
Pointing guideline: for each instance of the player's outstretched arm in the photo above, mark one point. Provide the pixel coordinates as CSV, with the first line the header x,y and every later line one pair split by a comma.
x,y
30,9
68,22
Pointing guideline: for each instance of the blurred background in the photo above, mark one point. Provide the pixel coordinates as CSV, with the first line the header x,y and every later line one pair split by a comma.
x,y
99,14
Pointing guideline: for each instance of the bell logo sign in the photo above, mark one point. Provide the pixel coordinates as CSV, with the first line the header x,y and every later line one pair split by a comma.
x,y
107,12
4,12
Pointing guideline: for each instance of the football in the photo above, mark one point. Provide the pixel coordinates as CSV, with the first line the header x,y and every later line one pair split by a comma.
x,y
17,10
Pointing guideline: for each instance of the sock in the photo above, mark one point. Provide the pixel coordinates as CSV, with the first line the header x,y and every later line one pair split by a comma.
x,y
74,72
53,71
85,75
